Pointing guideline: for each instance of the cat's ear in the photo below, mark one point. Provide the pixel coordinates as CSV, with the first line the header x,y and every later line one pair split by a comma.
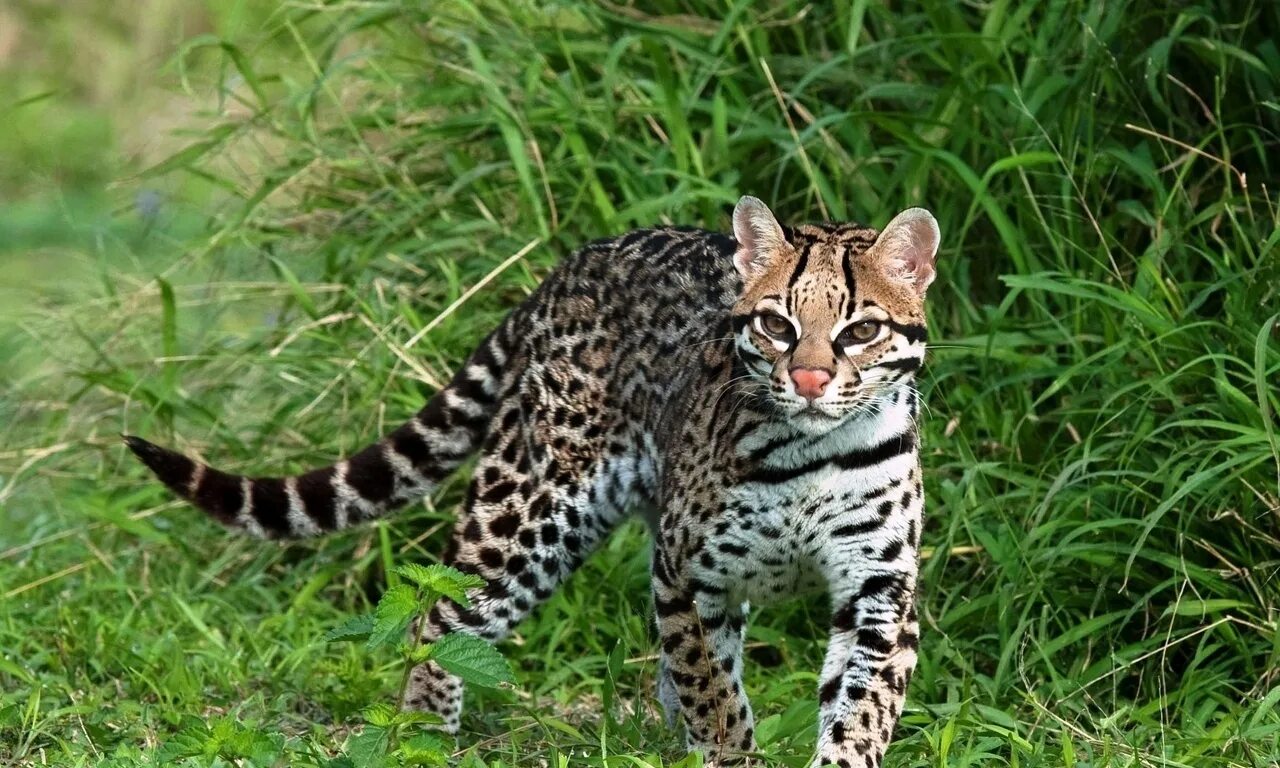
x,y
909,245
758,234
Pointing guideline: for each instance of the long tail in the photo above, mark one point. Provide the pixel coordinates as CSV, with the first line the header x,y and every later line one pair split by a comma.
x,y
403,466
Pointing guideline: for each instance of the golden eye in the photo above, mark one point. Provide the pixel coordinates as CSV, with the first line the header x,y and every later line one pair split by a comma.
x,y
776,326
859,333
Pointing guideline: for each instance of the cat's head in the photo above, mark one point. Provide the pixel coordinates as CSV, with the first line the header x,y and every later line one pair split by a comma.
x,y
831,316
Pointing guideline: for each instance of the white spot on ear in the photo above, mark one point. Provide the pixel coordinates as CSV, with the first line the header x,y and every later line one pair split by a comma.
x,y
910,243
758,234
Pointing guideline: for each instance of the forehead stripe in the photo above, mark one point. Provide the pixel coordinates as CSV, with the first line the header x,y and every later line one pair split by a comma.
x,y
801,265
849,283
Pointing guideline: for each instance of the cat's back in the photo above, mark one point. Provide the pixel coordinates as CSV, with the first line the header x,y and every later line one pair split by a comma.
x,y
618,328
656,268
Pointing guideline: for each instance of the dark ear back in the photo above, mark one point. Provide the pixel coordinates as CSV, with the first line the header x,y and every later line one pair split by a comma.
x,y
758,234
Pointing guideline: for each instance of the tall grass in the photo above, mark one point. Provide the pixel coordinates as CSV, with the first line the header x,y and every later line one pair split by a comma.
x,y
1103,462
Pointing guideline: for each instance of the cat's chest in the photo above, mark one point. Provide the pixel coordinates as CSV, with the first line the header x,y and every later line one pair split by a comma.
x,y
784,538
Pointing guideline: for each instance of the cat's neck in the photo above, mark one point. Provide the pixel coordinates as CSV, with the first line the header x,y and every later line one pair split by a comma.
x,y
778,437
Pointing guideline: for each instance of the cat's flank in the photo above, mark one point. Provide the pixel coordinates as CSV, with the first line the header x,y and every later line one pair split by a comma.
x,y
751,396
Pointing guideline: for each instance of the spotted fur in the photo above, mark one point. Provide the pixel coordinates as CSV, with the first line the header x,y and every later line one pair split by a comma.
x,y
751,396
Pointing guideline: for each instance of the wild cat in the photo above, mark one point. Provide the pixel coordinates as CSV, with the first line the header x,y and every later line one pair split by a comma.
x,y
752,396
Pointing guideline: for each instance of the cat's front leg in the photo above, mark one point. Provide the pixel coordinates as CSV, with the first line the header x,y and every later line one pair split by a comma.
x,y
701,634
872,653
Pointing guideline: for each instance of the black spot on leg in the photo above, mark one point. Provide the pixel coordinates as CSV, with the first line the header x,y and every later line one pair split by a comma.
x,y
491,557
891,552
829,690
505,526
873,640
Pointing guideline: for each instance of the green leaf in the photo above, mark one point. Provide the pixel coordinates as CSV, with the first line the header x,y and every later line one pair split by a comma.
x,y
1202,608
472,659
168,331
250,76
261,748
419,653
410,717
118,516
395,610
354,628
425,749
381,715
299,290
168,324
187,742
190,154
369,747
442,580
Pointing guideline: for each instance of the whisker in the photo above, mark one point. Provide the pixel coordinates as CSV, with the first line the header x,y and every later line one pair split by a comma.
x,y
705,342
724,389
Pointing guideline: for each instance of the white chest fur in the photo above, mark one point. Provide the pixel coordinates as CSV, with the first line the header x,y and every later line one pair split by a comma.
x,y
820,509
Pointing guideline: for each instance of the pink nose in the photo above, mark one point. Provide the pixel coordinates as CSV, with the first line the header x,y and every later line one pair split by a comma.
x,y
810,382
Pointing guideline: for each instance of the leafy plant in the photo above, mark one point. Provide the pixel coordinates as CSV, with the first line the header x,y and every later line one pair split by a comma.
x,y
396,735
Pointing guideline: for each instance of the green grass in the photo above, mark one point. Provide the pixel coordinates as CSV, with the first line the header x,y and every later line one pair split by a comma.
x,y
1103,450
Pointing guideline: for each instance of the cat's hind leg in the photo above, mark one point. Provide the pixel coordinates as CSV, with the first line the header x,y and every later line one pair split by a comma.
x,y
526,526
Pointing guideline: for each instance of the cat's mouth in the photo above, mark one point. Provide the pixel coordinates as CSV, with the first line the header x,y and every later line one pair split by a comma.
x,y
812,418
815,411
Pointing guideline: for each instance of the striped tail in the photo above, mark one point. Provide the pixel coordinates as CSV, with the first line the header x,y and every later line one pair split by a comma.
x,y
403,466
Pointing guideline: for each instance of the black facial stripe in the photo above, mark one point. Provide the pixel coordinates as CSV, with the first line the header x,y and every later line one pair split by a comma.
x,y
850,285
759,365
743,323
906,364
914,332
751,350
801,265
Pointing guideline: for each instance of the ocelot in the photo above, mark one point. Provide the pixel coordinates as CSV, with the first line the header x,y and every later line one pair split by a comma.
x,y
751,396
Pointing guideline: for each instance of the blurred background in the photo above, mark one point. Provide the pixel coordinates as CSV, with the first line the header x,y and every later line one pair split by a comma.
x,y
265,232
92,94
